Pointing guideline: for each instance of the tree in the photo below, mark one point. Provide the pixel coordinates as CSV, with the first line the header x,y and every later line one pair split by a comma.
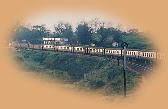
x,y
21,33
65,31
117,34
32,35
59,29
96,24
96,39
38,32
137,40
84,33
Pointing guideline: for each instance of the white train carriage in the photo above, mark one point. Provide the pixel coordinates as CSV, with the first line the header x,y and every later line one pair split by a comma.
x,y
79,49
65,48
148,54
111,51
94,50
132,53
48,47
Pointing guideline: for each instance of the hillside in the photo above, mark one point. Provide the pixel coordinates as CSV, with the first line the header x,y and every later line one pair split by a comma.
x,y
87,72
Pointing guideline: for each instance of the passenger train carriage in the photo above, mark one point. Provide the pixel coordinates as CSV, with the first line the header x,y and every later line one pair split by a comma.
x,y
132,53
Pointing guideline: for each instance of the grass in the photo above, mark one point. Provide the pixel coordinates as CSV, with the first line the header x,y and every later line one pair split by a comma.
x,y
84,72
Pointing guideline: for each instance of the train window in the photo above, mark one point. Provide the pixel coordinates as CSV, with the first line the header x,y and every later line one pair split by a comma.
x,y
81,49
134,53
152,55
67,47
117,51
77,49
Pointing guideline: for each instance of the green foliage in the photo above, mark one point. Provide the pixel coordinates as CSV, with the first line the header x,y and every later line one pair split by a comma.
x,y
65,31
84,34
32,35
96,38
137,41
97,73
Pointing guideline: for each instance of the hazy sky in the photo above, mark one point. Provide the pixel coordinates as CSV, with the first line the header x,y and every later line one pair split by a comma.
x,y
52,18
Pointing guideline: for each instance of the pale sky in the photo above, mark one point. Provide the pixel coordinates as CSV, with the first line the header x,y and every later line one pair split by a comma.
x,y
51,18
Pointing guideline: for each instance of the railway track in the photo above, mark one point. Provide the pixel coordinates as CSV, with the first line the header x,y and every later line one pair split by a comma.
x,y
131,65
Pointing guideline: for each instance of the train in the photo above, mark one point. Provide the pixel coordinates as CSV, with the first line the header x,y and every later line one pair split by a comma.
x,y
132,53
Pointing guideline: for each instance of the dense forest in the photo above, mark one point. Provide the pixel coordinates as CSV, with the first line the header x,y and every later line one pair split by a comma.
x,y
85,33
